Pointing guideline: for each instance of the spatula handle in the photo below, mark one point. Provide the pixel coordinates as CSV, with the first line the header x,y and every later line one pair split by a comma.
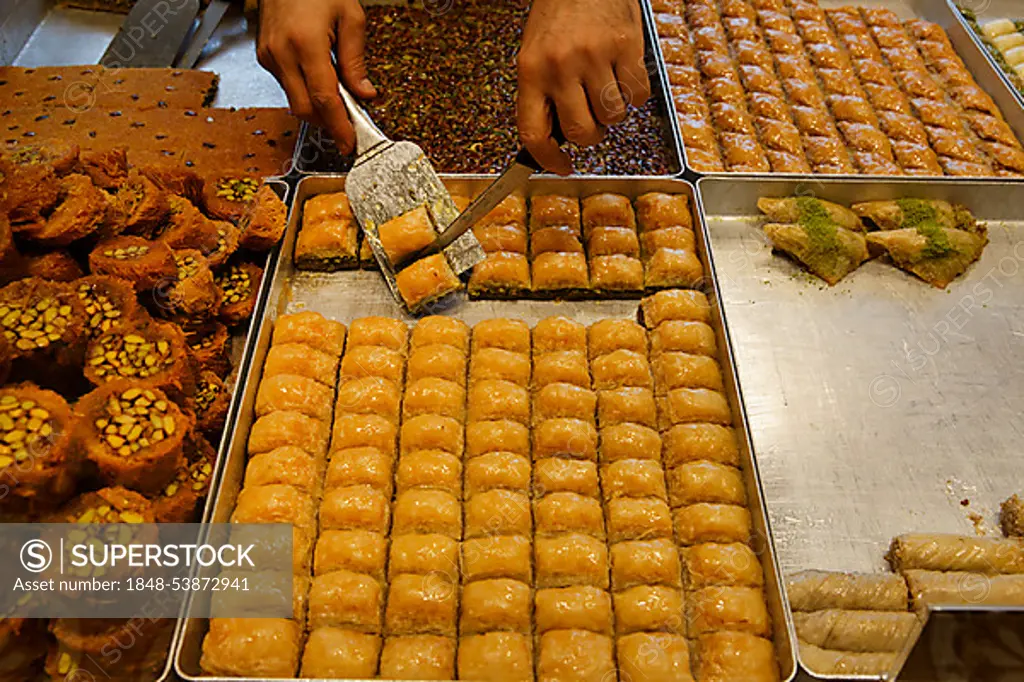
x,y
368,135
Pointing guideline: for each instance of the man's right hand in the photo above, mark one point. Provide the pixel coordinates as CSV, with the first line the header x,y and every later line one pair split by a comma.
x,y
295,44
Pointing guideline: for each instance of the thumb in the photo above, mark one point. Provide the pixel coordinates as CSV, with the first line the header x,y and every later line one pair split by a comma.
x,y
351,62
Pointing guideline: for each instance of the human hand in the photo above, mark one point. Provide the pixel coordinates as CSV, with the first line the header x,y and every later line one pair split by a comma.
x,y
581,61
295,43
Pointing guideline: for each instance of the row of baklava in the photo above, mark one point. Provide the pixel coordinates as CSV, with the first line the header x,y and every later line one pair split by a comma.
x,y
858,623
287,450
515,521
560,247
785,86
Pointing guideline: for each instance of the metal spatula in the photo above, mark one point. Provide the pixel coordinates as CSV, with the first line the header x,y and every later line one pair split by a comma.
x,y
389,179
151,34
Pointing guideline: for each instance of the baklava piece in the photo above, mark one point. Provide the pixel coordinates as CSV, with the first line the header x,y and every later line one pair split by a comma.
x,y
492,436
355,507
496,656
151,354
263,221
258,647
372,362
285,429
568,367
36,444
731,563
503,274
145,263
691,442
434,396
192,294
560,475
655,657
675,304
311,329
554,210
703,481
239,284
621,369
937,255
497,470
511,211
432,432
424,554
509,238
440,330
563,512
633,478
683,370
379,331
187,227
649,608
561,239
495,399
407,234
608,241
429,469
510,335
180,500
558,334
226,196
498,512
497,364
109,303
616,273
347,600
574,608
363,430
427,511
427,280
575,656
227,236
369,395
421,605
627,405
607,210
657,210
340,653
561,272
209,343
286,465
571,559
736,656
271,504
645,562
81,209
294,393
497,556
564,400
684,336
360,466
707,522
144,205
499,604
418,657
630,441
565,437
608,336
678,238
306,361
212,401
329,236
55,266
687,405
41,320
440,361
1011,517
632,518
133,435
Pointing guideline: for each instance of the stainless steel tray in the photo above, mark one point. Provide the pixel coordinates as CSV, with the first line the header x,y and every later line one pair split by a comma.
x,y
315,152
882,405
991,9
39,33
975,58
345,296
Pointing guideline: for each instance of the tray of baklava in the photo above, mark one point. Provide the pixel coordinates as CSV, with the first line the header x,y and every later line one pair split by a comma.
x,y
800,86
506,490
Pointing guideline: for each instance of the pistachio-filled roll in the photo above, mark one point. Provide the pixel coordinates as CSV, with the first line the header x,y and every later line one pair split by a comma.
x,y
35,444
152,353
143,204
212,399
106,505
143,262
240,285
226,196
39,317
263,221
109,303
209,343
134,436
180,500
187,227
193,292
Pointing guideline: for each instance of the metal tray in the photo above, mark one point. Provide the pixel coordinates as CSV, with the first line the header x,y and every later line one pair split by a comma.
x,y
39,33
975,58
347,295
993,9
882,405
315,152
